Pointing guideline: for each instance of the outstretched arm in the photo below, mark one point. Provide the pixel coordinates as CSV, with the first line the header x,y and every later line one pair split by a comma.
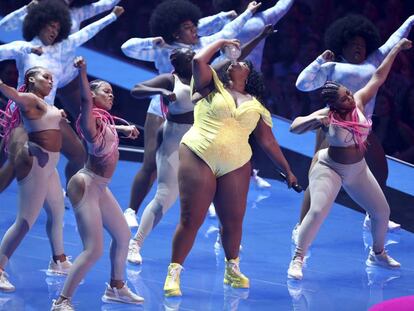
x,y
14,20
211,24
87,11
88,122
364,95
78,38
378,56
246,48
232,29
275,13
317,73
161,85
270,146
310,122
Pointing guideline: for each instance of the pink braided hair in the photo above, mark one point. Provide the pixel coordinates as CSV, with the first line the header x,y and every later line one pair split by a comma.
x,y
354,126
10,118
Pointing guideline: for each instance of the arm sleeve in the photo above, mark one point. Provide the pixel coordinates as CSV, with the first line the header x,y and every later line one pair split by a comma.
x,y
14,50
14,20
88,32
142,49
315,75
378,56
87,11
211,24
275,13
230,31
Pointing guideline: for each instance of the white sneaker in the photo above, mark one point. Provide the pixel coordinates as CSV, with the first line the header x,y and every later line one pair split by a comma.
x,y
65,305
131,218
391,225
295,234
122,295
295,269
382,260
212,211
58,267
260,182
5,285
133,252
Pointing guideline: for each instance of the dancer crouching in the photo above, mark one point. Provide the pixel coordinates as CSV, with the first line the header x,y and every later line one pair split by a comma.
x,y
35,167
343,164
94,205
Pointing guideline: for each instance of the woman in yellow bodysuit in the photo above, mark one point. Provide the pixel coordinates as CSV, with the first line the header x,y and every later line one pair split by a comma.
x,y
215,160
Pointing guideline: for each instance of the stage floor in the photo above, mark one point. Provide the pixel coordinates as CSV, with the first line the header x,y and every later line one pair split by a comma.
x,y
335,278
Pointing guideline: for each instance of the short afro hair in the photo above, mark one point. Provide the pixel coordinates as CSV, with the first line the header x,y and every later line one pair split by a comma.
x,y
346,28
169,15
41,14
255,83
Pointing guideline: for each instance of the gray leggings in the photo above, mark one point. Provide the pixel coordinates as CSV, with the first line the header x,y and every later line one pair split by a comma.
x,y
98,209
325,181
40,188
167,172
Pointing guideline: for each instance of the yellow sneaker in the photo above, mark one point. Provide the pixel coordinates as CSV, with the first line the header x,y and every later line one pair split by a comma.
x,y
172,282
233,276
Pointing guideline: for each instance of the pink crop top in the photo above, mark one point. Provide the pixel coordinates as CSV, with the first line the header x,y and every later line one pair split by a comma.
x,y
48,121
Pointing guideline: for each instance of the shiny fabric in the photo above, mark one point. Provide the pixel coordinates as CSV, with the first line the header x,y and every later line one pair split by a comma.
x,y
221,130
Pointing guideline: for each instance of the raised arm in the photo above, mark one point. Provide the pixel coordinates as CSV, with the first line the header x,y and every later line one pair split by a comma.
x,y
310,122
264,136
211,24
245,48
317,73
160,85
14,20
201,69
25,101
364,95
78,38
87,121
87,11
378,56
232,29
276,12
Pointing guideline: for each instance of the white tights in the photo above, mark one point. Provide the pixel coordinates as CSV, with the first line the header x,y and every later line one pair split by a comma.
x,y
167,172
325,181
98,209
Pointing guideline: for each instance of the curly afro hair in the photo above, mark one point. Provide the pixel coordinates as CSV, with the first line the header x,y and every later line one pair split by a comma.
x,y
254,85
42,14
346,28
168,16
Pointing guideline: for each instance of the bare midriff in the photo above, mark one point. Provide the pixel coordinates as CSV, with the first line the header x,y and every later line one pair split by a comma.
x,y
346,155
51,140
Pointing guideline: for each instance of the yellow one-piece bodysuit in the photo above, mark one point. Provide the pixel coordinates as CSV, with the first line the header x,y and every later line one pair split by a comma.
x,y
220,134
